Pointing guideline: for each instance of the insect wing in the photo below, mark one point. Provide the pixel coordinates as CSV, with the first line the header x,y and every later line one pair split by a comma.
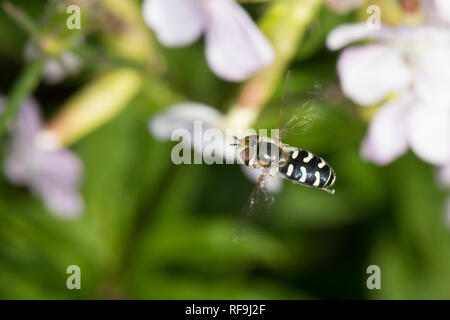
x,y
300,114
253,213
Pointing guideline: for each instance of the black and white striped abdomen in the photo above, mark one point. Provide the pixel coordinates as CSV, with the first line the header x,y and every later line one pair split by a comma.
x,y
308,169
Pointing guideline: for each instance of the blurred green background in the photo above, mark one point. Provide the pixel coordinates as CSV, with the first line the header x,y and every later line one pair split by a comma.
x,y
153,230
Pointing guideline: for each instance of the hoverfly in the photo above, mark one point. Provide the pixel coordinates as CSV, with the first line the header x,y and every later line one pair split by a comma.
x,y
274,158
277,159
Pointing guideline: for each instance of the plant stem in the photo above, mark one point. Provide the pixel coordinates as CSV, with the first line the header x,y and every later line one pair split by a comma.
x,y
22,19
26,83
284,25
96,103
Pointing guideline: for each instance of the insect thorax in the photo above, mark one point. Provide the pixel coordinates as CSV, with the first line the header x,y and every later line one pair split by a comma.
x,y
260,152
269,153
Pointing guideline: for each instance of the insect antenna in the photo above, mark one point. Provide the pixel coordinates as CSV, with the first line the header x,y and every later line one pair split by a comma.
x,y
236,141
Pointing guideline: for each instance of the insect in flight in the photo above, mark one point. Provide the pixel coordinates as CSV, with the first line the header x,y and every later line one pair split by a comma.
x,y
277,159
281,160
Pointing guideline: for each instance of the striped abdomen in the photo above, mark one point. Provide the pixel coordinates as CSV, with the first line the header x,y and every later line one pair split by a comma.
x,y
308,169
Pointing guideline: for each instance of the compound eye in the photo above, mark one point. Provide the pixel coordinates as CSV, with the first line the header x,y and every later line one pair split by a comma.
x,y
247,156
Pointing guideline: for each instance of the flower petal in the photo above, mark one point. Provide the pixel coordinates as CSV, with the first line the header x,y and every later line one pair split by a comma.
x,y
443,8
271,184
26,125
28,121
235,47
433,75
429,133
57,180
55,176
60,168
387,136
14,170
347,33
444,175
176,23
183,115
196,118
369,73
63,203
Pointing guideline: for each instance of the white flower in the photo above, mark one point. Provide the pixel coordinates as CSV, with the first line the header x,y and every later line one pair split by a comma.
x,y
235,47
54,176
437,11
413,64
183,116
444,175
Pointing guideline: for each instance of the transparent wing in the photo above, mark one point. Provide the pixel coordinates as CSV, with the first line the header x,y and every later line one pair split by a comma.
x,y
301,112
253,213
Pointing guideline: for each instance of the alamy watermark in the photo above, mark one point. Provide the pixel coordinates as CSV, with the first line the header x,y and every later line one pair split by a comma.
x,y
74,280
217,146
374,20
74,20
374,280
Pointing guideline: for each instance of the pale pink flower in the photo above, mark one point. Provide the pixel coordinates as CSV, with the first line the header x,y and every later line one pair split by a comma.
x,y
54,176
437,12
235,47
183,116
444,175
413,64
